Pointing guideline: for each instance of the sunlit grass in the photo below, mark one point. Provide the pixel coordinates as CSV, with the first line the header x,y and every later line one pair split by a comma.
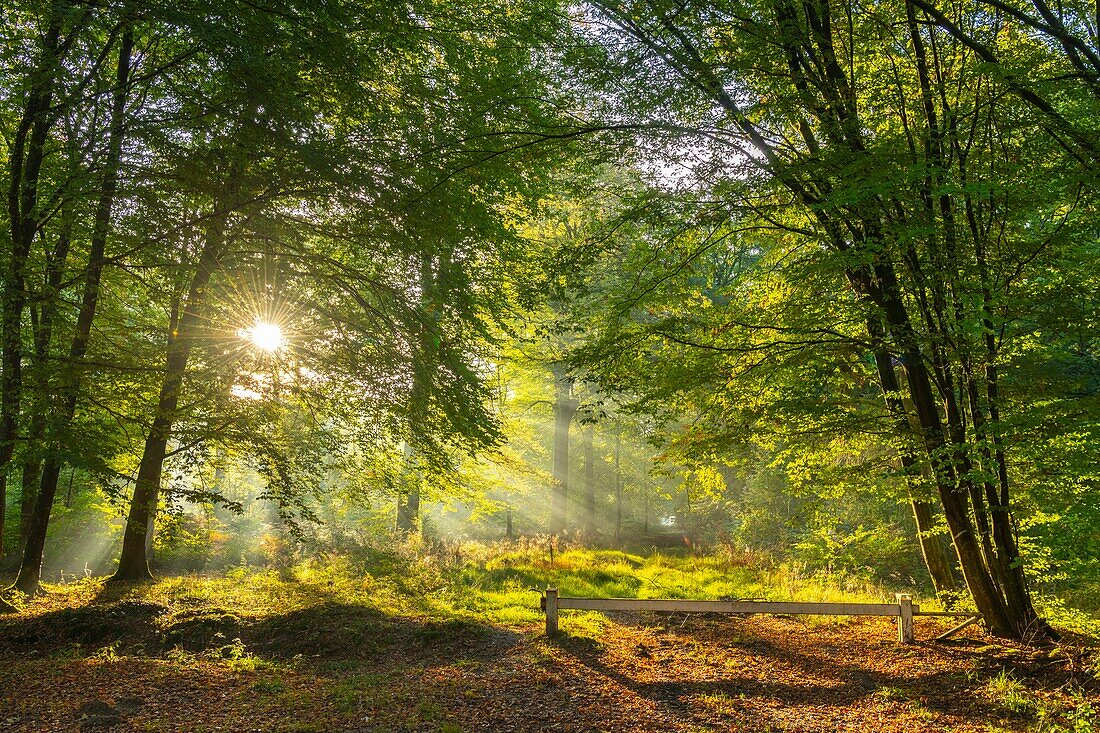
x,y
505,579
488,584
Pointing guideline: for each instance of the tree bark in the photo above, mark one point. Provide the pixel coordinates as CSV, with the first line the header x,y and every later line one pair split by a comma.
x,y
618,487
25,167
408,503
589,484
42,322
133,563
433,293
565,406
953,495
933,550
30,570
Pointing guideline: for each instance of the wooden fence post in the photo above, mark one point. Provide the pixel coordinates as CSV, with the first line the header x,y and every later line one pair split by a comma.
x,y
905,618
551,601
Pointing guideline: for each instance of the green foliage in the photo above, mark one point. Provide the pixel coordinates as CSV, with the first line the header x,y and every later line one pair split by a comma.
x,y
273,166
861,551
829,232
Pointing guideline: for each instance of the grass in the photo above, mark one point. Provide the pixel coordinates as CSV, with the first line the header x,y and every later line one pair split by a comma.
x,y
388,636
1011,694
1043,713
488,584
501,588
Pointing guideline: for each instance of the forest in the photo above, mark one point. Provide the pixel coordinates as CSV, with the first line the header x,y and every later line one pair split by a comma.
x,y
335,333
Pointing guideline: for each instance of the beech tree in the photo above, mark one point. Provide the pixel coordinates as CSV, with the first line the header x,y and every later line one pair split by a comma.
x,y
188,148
871,141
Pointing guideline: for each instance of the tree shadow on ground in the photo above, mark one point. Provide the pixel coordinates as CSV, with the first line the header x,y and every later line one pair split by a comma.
x,y
982,658
341,632
99,624
813,680
323,633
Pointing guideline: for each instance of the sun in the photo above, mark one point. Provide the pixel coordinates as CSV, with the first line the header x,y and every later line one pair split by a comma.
x,y
266,336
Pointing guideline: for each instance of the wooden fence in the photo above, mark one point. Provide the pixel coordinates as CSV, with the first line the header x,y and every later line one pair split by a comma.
x,y
903,609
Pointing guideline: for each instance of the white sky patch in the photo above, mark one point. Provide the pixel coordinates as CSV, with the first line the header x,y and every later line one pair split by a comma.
x,y
244,393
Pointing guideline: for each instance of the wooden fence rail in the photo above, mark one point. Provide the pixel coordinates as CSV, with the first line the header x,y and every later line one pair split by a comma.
x,y
903,609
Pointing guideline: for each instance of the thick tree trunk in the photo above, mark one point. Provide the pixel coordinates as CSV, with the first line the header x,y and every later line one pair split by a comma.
x,y
933,550
565,406
408,507
953,495
433,293
30,569
995,541
1004,532
133,563
27,153
28,487
880,286
42,320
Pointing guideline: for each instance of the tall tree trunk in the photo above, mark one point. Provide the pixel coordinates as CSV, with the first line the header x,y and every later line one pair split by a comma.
x,y
565,406
618,487
1011,590
433,293
1004,532
589,484
408,506
953,496
32,473
932,547
133,563
69,489
30,570
42,322
27,153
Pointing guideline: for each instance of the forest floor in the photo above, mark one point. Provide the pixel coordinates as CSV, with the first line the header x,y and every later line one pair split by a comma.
x,y
343,650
